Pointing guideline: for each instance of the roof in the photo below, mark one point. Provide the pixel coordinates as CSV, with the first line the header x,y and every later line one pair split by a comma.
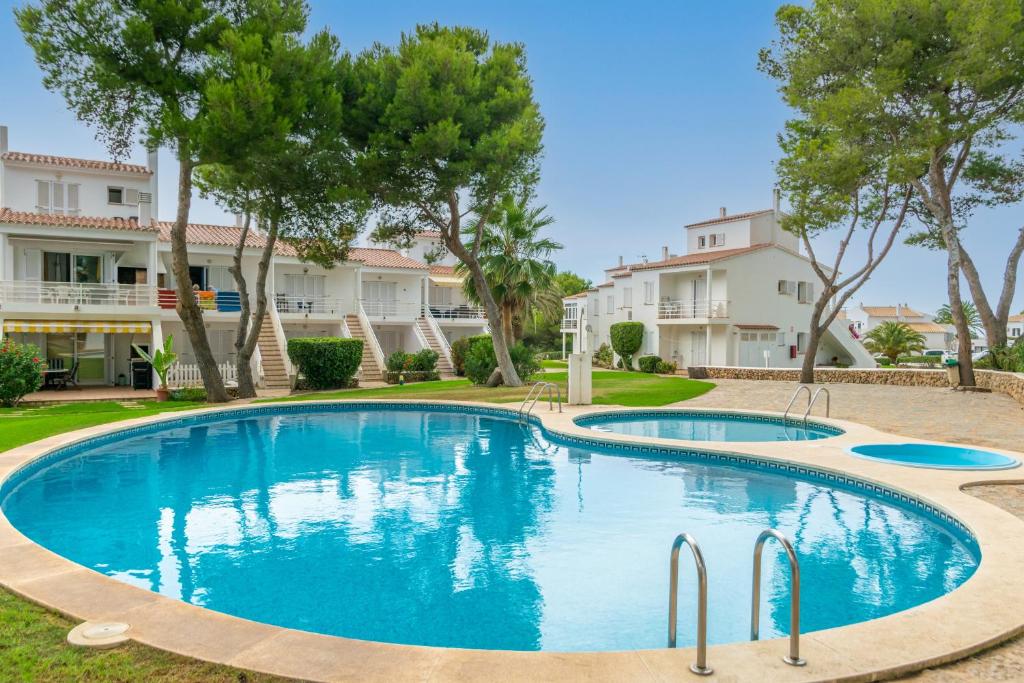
x,y
1015,318
730,219
442,270
926,327
221,236
578,295
754,326
72,162
696,259
383,258
606,284
429,234
890,311
71,221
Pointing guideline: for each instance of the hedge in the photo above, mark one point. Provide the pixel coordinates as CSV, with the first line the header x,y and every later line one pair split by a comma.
x,y
410,376
648,363
326,362
627,337
423,361
480,361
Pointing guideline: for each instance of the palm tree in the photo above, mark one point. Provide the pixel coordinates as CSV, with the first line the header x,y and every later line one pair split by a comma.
x,y
944,316
893,339
517,263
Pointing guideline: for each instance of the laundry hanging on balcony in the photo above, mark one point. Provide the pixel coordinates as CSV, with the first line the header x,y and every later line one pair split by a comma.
x,y
58,326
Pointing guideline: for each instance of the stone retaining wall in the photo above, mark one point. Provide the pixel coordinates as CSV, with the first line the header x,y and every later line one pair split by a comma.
x,y
1008,383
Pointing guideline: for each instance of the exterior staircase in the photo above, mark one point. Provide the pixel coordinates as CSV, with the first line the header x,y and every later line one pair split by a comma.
x,y
371,370
275,374
444,366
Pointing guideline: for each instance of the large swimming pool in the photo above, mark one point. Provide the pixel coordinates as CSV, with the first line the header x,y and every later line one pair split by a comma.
x,y
452,527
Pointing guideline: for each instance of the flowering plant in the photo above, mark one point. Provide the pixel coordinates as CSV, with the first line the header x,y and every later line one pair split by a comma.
x,y
21,371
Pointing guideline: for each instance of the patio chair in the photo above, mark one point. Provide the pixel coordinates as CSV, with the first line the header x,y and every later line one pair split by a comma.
x,y
68,379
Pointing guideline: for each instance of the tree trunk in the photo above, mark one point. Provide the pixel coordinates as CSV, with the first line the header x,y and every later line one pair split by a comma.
x,y
507,328
813,339
956,306
252,336
188,307
994,322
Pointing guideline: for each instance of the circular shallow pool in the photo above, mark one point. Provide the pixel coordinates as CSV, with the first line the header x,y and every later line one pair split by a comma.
x,y
448,526
695,425
936,456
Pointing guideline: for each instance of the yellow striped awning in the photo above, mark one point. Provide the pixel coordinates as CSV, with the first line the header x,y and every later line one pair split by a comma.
x,y
54,326
446,280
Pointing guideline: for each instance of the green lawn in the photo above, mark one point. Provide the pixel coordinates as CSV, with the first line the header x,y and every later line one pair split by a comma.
x,y
636,389
554,364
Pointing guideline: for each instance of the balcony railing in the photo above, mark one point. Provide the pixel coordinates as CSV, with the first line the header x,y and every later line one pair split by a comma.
x,y
457,312
391,309
225,301
306,305
76,294
683,310
570,324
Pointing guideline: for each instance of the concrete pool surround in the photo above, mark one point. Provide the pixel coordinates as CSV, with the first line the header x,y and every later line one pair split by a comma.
x,y
976,615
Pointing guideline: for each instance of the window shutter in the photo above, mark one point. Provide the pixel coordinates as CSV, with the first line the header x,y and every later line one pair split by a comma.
x,y
43,195
34,264
131,196
810,292
72,197
58,197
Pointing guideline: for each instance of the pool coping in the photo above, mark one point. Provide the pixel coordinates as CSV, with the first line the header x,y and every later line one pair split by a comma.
x,y
976,615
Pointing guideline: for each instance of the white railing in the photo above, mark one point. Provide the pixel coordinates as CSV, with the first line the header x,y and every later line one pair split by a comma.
x,y
181,375
457,312
439,334
676,310
318,305
76,293
391,309
371,338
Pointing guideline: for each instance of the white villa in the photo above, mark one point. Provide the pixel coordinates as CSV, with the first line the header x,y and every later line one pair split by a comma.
x,y
740,296
866,318
85,273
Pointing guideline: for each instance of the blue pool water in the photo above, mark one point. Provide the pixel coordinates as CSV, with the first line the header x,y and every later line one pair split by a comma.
x,y
452,528
935,456
707,426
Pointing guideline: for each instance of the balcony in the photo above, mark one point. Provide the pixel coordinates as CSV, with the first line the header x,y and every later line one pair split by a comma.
x,y
224,302
376,309
56,296
305,306
693,310
457,312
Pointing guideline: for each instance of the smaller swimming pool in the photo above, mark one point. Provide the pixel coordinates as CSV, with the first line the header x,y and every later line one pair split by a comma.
x,y
695,425
935,456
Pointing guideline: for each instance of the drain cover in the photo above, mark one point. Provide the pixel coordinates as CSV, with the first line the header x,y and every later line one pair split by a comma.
x,y
99,634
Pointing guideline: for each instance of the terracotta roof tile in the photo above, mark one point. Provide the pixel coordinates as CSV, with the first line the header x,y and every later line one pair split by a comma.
x,y
32,218
1015,318
384,258
697,259
442,270
72,162
890,311
926,327
730,219
222,236
429,234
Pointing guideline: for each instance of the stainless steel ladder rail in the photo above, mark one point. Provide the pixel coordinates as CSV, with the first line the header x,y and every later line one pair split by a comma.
x,y
700,667
793,658
802,387
814,398
536,391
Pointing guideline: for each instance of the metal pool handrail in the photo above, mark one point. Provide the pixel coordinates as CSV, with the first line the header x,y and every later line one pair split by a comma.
x,y
793,658
524,412
700,667
810,404
802,387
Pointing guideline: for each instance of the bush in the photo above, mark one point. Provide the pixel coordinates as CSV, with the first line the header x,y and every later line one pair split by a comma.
x,y
326,362
424,360
603,356
666,368
396,362
460,348
21,371
648,363
626,340
410,376
481,361
935,360
195,394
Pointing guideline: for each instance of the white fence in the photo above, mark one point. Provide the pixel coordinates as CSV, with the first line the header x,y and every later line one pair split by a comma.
x,y
76,293
182,375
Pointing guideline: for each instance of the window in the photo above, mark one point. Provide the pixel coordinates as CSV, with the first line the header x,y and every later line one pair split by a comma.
x,y
611,304
593,305
648,292
115,195
805,292
627,297
702,242
56,197
787,287
718,239
801,342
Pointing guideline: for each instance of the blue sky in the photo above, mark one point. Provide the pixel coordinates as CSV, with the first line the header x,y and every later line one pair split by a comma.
x,y
656,116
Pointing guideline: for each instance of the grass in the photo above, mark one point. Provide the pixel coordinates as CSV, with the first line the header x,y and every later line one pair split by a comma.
x,y
635,389
558,364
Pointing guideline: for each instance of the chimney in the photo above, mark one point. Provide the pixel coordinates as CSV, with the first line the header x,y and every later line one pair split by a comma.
x,y
664,253
145,208
620,262
154,181
721,212
776,199
3,139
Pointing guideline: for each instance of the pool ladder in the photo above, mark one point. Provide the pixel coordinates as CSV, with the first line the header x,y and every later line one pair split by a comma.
x,y
700,667
532,396
811,400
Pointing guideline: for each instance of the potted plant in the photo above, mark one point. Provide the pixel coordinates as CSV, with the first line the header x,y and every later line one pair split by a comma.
x,y
161,360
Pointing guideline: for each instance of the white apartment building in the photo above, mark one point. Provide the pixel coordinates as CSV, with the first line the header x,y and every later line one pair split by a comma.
x,y
864,318
740,296
85,273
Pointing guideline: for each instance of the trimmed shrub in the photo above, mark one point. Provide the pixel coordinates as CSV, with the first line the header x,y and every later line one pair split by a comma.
x,y
396,362
627,337
648,363
424,360
460,348
196,394
603,356
21,371
480,360
935,360
410,376
326,362
666,367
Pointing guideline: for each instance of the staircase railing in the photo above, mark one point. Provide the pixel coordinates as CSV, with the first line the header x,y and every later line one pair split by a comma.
x,y
438,334
371,338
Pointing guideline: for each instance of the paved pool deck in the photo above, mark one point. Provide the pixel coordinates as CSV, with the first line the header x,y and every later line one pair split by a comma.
x,y
982,612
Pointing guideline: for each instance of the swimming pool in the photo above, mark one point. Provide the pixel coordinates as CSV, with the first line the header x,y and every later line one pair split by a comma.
x,y
698,425
449,526
936,456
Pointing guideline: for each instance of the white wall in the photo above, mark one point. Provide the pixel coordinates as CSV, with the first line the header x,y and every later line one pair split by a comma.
x,y
20,189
